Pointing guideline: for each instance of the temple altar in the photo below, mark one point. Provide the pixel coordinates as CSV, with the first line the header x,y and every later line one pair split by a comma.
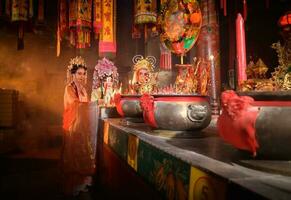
x,y
137,162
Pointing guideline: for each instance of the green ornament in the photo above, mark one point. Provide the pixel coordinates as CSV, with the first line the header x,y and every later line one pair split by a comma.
x,y
188,42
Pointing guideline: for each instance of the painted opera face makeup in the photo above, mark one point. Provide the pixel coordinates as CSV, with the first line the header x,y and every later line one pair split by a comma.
x,y
143,76
80,76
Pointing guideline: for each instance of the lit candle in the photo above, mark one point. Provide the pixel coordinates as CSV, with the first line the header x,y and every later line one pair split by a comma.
x,y
212,73
214,103
240,50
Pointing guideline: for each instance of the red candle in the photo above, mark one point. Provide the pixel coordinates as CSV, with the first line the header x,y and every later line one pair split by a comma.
x,y
240,50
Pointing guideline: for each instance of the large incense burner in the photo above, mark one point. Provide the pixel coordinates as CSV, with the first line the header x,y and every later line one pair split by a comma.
x,y
176,112
258,122
258,118
128,106
272,125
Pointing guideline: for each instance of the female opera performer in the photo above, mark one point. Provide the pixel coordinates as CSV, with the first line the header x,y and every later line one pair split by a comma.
x,y
78,162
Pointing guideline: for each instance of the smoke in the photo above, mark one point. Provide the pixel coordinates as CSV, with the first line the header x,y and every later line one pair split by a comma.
x,y
39,76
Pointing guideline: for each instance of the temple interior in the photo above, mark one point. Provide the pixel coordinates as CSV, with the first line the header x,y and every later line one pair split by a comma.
x,y
145,99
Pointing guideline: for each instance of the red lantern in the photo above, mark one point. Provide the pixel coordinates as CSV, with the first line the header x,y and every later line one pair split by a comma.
x,y
285,20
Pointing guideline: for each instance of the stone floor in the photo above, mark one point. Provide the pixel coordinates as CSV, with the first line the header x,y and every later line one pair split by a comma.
x,y
35,176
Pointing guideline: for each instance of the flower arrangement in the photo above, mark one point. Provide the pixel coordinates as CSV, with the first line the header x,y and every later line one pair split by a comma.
x,y
104,68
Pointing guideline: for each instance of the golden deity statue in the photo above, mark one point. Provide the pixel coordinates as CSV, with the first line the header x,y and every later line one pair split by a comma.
x,y
144,78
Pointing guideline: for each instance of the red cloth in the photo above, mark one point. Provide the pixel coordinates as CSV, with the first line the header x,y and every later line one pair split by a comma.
x,y
147,104
236,124
117,101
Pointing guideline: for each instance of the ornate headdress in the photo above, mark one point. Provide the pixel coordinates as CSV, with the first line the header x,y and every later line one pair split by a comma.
x,y
142,63
79,61
103,69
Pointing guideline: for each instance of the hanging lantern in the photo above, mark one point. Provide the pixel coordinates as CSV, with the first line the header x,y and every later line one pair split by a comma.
x,y
285,20
80,23
145,11
21,11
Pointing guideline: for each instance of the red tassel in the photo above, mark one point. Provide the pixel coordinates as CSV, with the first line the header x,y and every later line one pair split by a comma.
x,y
224,8
165,58
245,10
221,4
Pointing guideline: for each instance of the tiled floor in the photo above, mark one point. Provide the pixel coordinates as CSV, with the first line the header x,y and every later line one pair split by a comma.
x,y
34,176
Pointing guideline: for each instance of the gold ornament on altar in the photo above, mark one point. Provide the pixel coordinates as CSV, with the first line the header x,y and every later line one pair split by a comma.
x,y
249,69
287,80
193,78
257,71
258,85
257,78
265,85
144,78
281,74
185,81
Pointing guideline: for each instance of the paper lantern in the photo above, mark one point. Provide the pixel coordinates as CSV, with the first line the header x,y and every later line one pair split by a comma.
x,y
145,11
